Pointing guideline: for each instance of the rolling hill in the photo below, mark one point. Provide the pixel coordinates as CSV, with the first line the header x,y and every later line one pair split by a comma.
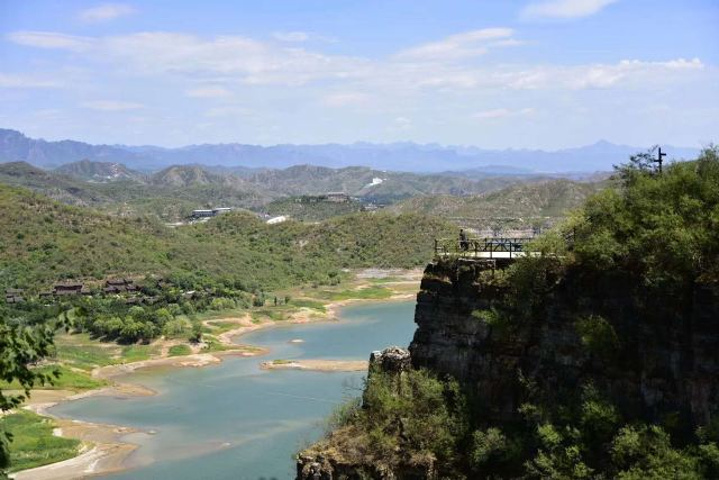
x,y
90,171
372,185
43,241
171,195
517,205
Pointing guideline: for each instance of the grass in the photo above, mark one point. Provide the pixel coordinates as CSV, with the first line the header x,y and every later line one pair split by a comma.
x,y
220,314
177,350
370,293
213,345
281,361
273,314
385,280
33,443
69,379
138,353
307,303
85,357
222,327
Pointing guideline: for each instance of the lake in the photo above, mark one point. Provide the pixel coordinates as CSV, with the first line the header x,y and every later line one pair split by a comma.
x,y
235,421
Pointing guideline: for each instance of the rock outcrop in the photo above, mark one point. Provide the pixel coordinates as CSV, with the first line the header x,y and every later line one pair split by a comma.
x,y
324,463
666,360
662,362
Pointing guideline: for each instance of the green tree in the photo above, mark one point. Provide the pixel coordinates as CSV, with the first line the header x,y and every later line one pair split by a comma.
x,y
20,348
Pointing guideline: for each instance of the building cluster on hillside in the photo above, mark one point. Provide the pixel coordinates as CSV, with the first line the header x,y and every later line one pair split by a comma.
x,y
14,295
125,286
334,197
120,286
65,289
206,213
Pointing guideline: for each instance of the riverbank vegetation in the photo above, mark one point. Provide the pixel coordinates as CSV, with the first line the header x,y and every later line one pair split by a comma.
x,y
33,441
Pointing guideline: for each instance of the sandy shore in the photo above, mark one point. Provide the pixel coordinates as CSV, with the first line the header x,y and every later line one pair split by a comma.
x,y
103,449
318,365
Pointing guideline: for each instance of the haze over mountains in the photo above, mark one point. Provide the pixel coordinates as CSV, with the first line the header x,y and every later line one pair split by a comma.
x,y
407,157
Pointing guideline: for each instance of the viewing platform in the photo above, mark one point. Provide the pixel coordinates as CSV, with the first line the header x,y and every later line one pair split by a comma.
x,y
484,248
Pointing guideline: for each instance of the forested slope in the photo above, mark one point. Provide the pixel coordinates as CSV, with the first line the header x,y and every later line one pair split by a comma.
x,y
42,241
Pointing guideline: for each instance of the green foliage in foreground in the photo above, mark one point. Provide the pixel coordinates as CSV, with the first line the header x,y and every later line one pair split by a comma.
x,y
21,346
415,420
33,443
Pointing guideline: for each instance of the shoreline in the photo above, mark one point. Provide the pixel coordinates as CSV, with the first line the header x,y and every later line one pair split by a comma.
x,y
317,365
109,452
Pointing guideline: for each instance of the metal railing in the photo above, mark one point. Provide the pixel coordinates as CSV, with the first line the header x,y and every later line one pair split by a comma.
x,y
489,247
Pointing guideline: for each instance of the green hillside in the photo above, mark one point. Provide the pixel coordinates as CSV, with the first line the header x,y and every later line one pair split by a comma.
x,y
308,208
170,195
374,185
42,241
99,171
550,199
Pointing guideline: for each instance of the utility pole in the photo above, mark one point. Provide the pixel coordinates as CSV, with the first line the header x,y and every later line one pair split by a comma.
x,y
660,159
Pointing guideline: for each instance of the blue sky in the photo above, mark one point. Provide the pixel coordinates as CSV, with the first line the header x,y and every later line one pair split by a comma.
x,y
492,73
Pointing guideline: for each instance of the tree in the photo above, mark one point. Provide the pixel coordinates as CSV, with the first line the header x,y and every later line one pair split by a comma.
x,y
20,348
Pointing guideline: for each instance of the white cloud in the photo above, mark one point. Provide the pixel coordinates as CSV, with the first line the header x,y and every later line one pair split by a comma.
x,y
208,92
112,105
227,111
564,8
461,45
502,113
344,99
402,123
105,12
291,36
50,40
300,37
225,63
254,62
8,80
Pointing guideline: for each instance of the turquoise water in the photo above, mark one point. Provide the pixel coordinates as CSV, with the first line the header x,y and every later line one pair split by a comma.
x,y
235,421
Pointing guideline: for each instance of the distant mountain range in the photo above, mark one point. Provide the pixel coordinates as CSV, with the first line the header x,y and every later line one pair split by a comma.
x,y
407,157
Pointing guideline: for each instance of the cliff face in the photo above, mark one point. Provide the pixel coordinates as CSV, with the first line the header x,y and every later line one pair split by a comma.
x,y
666,361
660,363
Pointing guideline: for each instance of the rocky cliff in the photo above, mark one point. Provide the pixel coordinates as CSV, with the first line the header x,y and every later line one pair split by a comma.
x,y
661,359
596,358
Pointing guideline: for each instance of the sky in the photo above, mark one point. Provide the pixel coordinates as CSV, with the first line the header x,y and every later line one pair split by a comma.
x,y
544,74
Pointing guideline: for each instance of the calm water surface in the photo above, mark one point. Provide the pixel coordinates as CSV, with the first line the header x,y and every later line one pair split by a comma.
x,y
235,421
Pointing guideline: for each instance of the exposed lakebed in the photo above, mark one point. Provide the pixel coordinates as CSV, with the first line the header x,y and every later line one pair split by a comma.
x,y
235,420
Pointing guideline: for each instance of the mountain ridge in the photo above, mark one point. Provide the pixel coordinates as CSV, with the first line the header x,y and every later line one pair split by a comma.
x,y
399,156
